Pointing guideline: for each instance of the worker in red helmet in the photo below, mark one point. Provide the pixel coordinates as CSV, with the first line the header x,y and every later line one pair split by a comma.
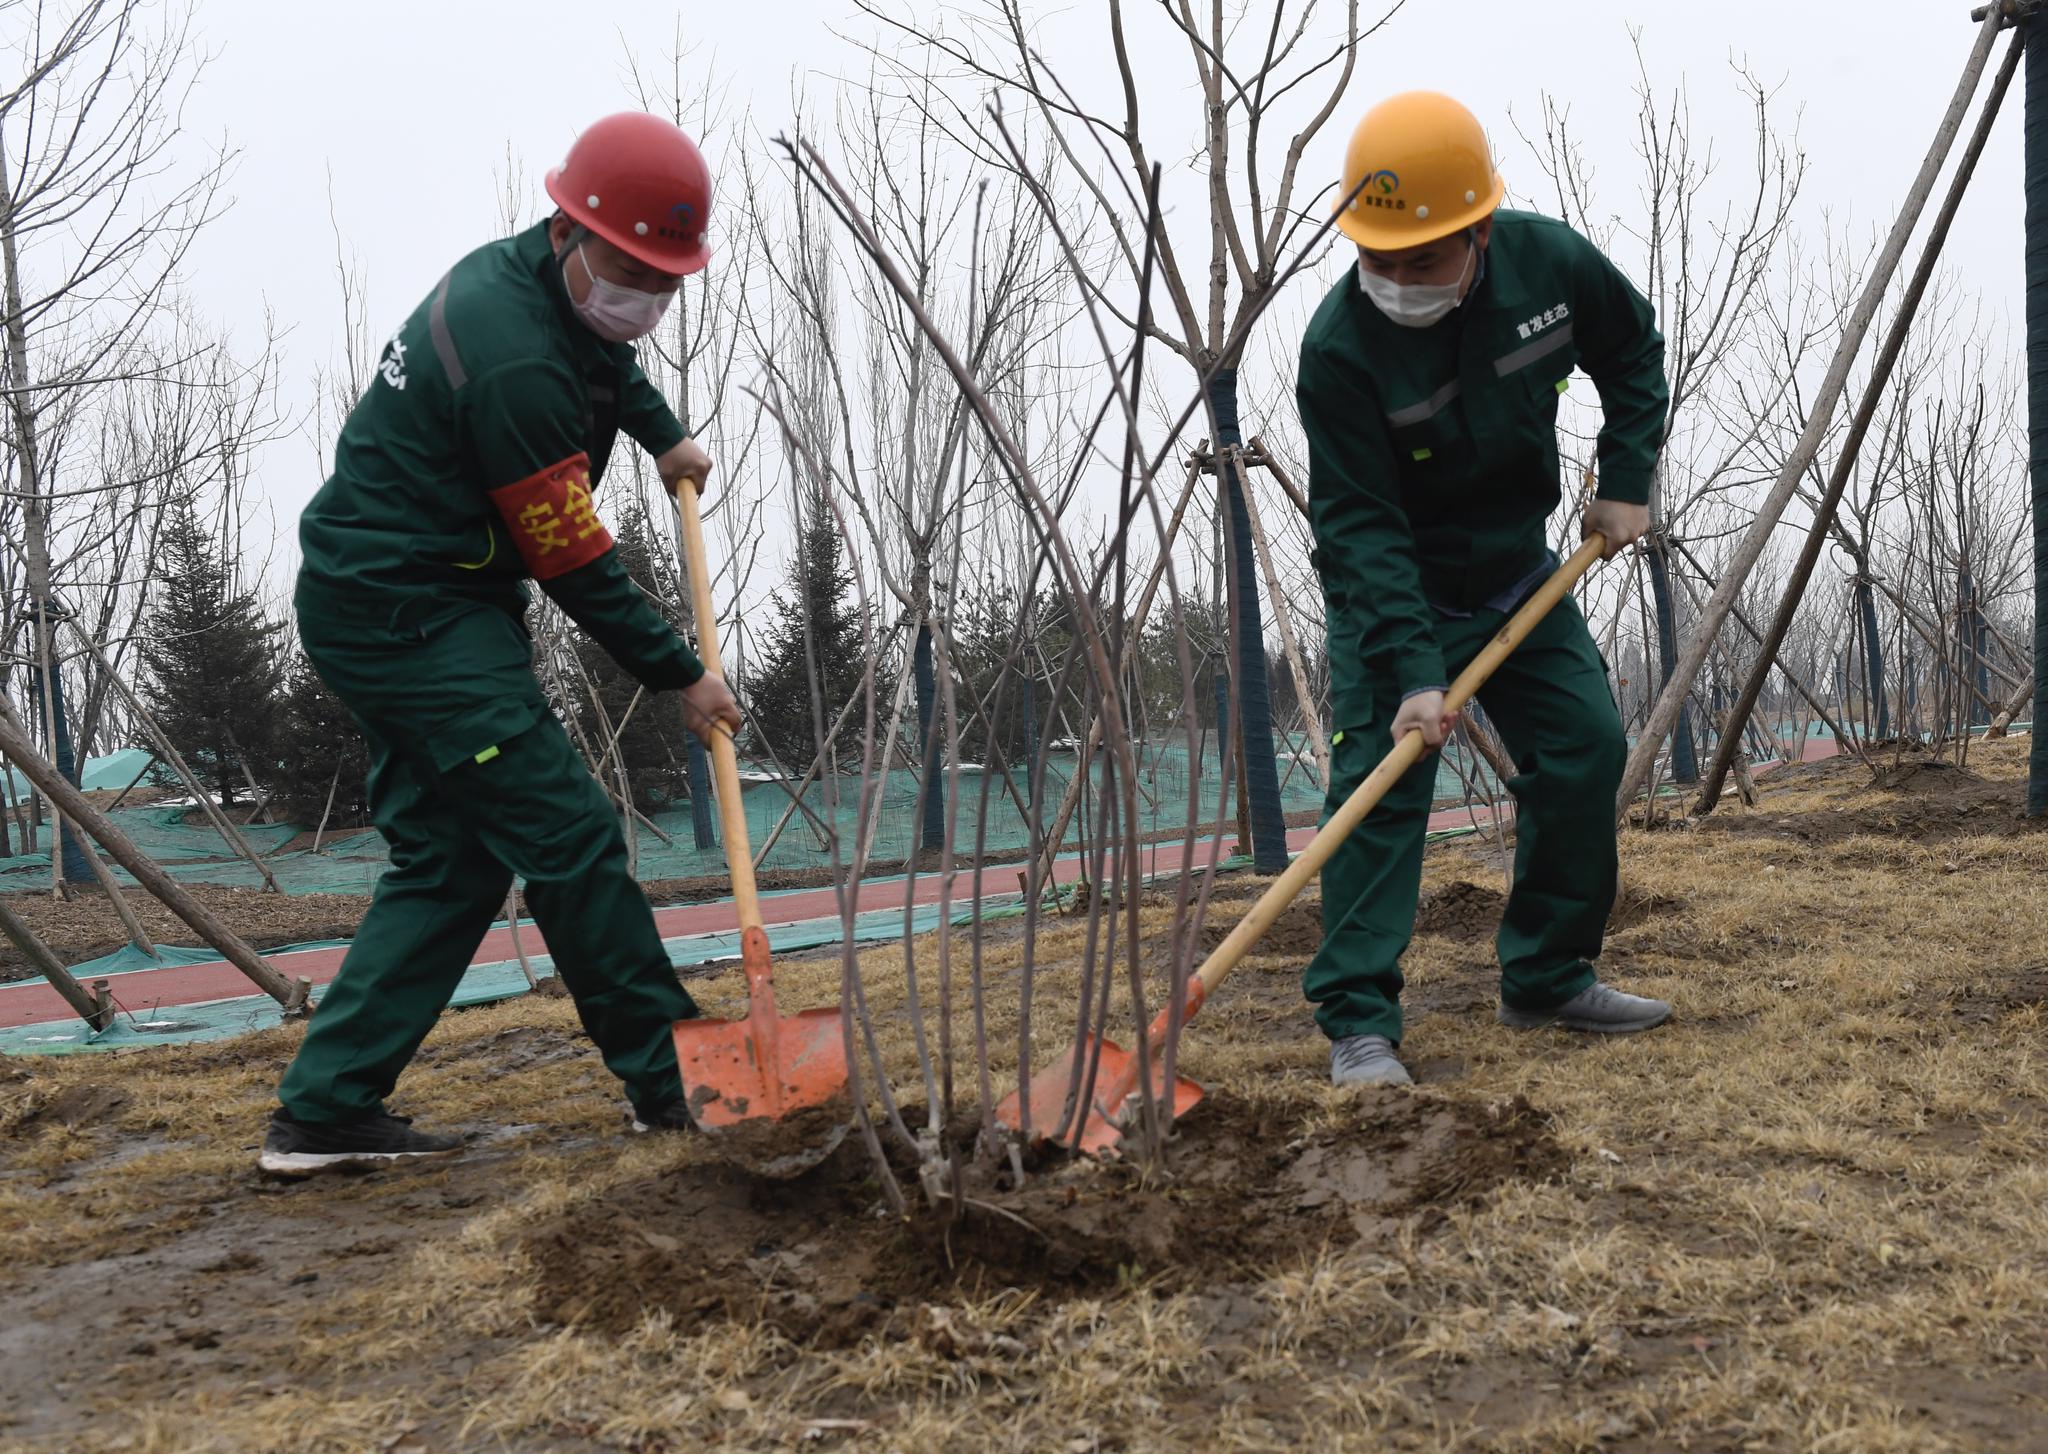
x,y
467,469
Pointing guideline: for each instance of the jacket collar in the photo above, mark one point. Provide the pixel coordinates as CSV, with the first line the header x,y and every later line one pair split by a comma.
x,y
538,260
1502,287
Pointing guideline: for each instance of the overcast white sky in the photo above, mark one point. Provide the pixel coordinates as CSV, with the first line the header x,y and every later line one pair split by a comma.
x,y
410,108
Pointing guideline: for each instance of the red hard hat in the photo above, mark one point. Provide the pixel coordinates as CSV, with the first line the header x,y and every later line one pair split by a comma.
x,y
640,184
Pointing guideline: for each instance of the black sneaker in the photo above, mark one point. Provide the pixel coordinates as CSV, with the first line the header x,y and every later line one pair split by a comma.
x,y
297,1148
675,1116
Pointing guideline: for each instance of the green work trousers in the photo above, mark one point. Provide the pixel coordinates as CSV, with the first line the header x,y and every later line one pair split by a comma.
x,y
1551,704
458,832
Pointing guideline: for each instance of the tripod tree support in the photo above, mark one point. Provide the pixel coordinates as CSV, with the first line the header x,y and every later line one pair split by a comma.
x,y
1819,419
1866,410
15,745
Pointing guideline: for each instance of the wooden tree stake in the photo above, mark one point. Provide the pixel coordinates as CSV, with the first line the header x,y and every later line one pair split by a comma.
x,y
121,848
97,1010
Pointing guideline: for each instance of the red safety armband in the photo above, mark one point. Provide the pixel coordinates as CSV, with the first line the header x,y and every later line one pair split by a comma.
x,y
552,520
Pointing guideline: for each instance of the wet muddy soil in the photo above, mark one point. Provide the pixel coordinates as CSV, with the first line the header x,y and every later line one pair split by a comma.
x,y
822,1257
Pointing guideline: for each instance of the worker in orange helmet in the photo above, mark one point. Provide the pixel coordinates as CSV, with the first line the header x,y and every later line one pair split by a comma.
x,y
467,469
1429,385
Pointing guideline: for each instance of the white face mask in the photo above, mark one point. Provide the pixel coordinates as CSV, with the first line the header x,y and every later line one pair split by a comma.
x,y
616,312
1416,305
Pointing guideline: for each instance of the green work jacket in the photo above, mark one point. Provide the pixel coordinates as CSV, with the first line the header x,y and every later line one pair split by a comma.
x,y
1433,451
468,467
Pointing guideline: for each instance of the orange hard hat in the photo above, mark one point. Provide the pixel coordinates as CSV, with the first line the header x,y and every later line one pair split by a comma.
x,y
640,184
1427,170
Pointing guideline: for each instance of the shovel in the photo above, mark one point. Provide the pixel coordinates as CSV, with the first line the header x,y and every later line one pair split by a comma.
x,y
1112,1105
742,1077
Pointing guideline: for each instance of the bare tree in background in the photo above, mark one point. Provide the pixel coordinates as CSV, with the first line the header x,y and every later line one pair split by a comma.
x,y
922,448
862,392
99,203
182,433
1255,80
1965,507
340,382
1704,252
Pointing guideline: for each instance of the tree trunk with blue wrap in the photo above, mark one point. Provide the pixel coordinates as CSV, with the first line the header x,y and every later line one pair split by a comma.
x,y
1255,703
1873,654
71,858
699,767
932,825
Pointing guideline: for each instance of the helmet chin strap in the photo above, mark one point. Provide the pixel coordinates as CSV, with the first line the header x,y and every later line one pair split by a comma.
x,y
578,235
1478,261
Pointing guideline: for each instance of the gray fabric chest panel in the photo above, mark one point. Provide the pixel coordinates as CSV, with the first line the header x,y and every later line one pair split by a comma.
x,y
1549,343
1427,409
444,341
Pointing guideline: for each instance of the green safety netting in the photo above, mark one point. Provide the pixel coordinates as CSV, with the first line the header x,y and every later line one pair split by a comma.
x,y
111,773
182,834
986,804
181,839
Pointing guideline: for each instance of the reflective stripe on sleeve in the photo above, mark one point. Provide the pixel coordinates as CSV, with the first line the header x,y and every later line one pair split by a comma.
x,y
444,341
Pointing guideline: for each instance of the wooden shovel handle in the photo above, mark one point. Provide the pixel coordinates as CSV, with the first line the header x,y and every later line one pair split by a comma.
x,y
1406,753
725,765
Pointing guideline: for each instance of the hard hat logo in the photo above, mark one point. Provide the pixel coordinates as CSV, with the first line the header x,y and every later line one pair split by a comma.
x,y
1418,168
683,226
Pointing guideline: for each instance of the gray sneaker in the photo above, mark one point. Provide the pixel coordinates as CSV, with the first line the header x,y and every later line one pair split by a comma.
x,y
1366,1060
1601,1009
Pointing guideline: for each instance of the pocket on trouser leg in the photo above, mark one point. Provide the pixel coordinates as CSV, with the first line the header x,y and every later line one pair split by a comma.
x,y
530,799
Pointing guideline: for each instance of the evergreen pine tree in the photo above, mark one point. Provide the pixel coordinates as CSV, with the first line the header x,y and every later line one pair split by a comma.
x,y
984,629
317,751
820,592
1207,627
213,660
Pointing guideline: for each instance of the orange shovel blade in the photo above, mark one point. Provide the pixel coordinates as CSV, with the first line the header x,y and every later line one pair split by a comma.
x,y
760,1068
766,1066
1114,1104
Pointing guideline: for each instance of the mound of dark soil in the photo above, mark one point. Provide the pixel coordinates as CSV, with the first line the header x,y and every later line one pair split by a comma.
x,y
1297,933
1925,800
1463,912
1248,1189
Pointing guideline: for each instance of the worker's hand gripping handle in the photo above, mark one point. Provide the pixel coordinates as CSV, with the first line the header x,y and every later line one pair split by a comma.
x,y
1405,754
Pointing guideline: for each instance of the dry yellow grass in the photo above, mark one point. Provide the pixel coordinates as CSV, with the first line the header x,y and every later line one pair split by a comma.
x,y
1810,1215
